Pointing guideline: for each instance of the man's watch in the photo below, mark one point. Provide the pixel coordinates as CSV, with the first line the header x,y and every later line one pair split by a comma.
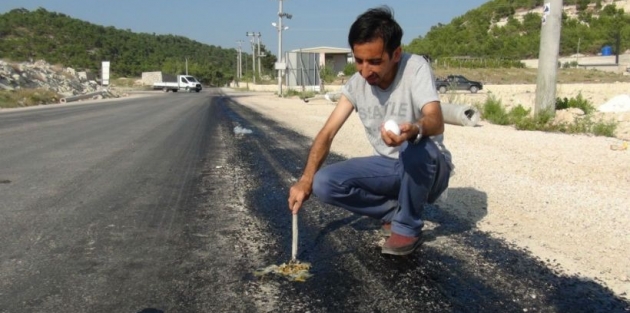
x,y
419,136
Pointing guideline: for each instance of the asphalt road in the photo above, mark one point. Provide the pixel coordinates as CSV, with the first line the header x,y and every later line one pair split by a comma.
x,y
101,207
170,203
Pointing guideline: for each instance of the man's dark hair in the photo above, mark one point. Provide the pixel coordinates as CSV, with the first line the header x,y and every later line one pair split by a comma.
x,y
373,24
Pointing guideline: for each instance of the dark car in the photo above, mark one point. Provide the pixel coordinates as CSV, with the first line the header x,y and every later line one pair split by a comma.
x,y
457,82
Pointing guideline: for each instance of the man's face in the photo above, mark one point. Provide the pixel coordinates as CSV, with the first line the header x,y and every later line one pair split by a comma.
x,y
375,64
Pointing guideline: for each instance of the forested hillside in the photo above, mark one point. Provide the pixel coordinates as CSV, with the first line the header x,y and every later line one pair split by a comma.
x,y
60,39
510,29
507,30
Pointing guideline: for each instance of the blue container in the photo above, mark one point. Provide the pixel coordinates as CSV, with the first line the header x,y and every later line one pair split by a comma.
x,y
607,50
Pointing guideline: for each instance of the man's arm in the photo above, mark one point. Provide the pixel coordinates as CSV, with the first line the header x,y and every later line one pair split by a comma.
x,y
432,120
302,190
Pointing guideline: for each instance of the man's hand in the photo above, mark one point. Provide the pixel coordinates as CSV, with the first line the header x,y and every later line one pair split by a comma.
x,y
299,193
408,131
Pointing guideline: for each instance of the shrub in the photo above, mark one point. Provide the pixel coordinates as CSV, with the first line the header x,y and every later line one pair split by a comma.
x,y
327,74
571,64
518,113
300,94
585,125
493,111
577,102
349,69
604,129
579,126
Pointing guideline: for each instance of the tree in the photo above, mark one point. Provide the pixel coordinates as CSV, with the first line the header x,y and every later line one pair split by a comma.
x,y
58,38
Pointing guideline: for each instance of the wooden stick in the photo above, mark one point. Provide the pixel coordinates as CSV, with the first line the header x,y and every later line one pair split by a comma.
x,y
295,239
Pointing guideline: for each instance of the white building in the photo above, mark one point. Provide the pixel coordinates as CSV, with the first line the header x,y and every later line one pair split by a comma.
x,y
337,58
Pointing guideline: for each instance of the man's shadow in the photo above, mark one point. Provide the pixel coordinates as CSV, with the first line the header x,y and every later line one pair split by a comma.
x,y
459,212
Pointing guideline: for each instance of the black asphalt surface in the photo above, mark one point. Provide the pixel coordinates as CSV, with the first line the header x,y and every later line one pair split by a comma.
x,y
169,203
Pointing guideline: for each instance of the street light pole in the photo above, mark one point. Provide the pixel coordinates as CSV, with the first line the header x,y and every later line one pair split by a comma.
x,y
280,65
186,66
280,57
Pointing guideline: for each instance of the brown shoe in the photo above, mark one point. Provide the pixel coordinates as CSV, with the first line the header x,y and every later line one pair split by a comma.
x,y
386,229
400,245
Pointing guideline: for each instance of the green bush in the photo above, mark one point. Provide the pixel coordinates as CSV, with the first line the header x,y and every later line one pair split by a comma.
x,y
577,102
518,113
579,126
524,121
349,69
327,74
585,125
300,94
604,129
493,111
572,64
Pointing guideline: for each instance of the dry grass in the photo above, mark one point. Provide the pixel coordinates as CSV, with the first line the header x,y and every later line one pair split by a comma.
x,y
123,82
58,68
16,67
27,97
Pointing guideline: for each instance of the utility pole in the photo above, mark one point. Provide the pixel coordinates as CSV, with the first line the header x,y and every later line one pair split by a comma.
x,y
280,65
548,57
259,55
578,51
251,40
186,66
239,72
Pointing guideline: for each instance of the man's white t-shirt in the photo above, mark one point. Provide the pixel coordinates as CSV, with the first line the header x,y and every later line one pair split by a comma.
x,y
412,88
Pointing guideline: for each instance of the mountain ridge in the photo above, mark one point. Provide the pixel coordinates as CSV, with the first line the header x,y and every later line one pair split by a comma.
x,y
489,30
60,39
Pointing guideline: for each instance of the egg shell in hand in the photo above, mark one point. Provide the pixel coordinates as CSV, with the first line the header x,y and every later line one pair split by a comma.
x,y
392,126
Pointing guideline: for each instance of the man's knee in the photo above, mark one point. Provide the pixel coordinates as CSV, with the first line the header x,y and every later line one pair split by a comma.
x,y
424,152
322,187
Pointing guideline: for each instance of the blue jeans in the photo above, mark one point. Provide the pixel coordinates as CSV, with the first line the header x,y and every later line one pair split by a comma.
x,y
392,190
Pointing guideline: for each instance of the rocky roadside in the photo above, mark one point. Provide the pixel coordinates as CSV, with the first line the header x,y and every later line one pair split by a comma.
x,y
611,101
64,81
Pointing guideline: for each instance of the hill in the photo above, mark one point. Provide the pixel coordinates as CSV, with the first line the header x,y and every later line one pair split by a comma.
x,y
510,29
487,32
60,39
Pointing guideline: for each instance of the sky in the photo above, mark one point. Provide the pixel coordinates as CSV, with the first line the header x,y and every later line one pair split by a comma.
x,y
223,23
